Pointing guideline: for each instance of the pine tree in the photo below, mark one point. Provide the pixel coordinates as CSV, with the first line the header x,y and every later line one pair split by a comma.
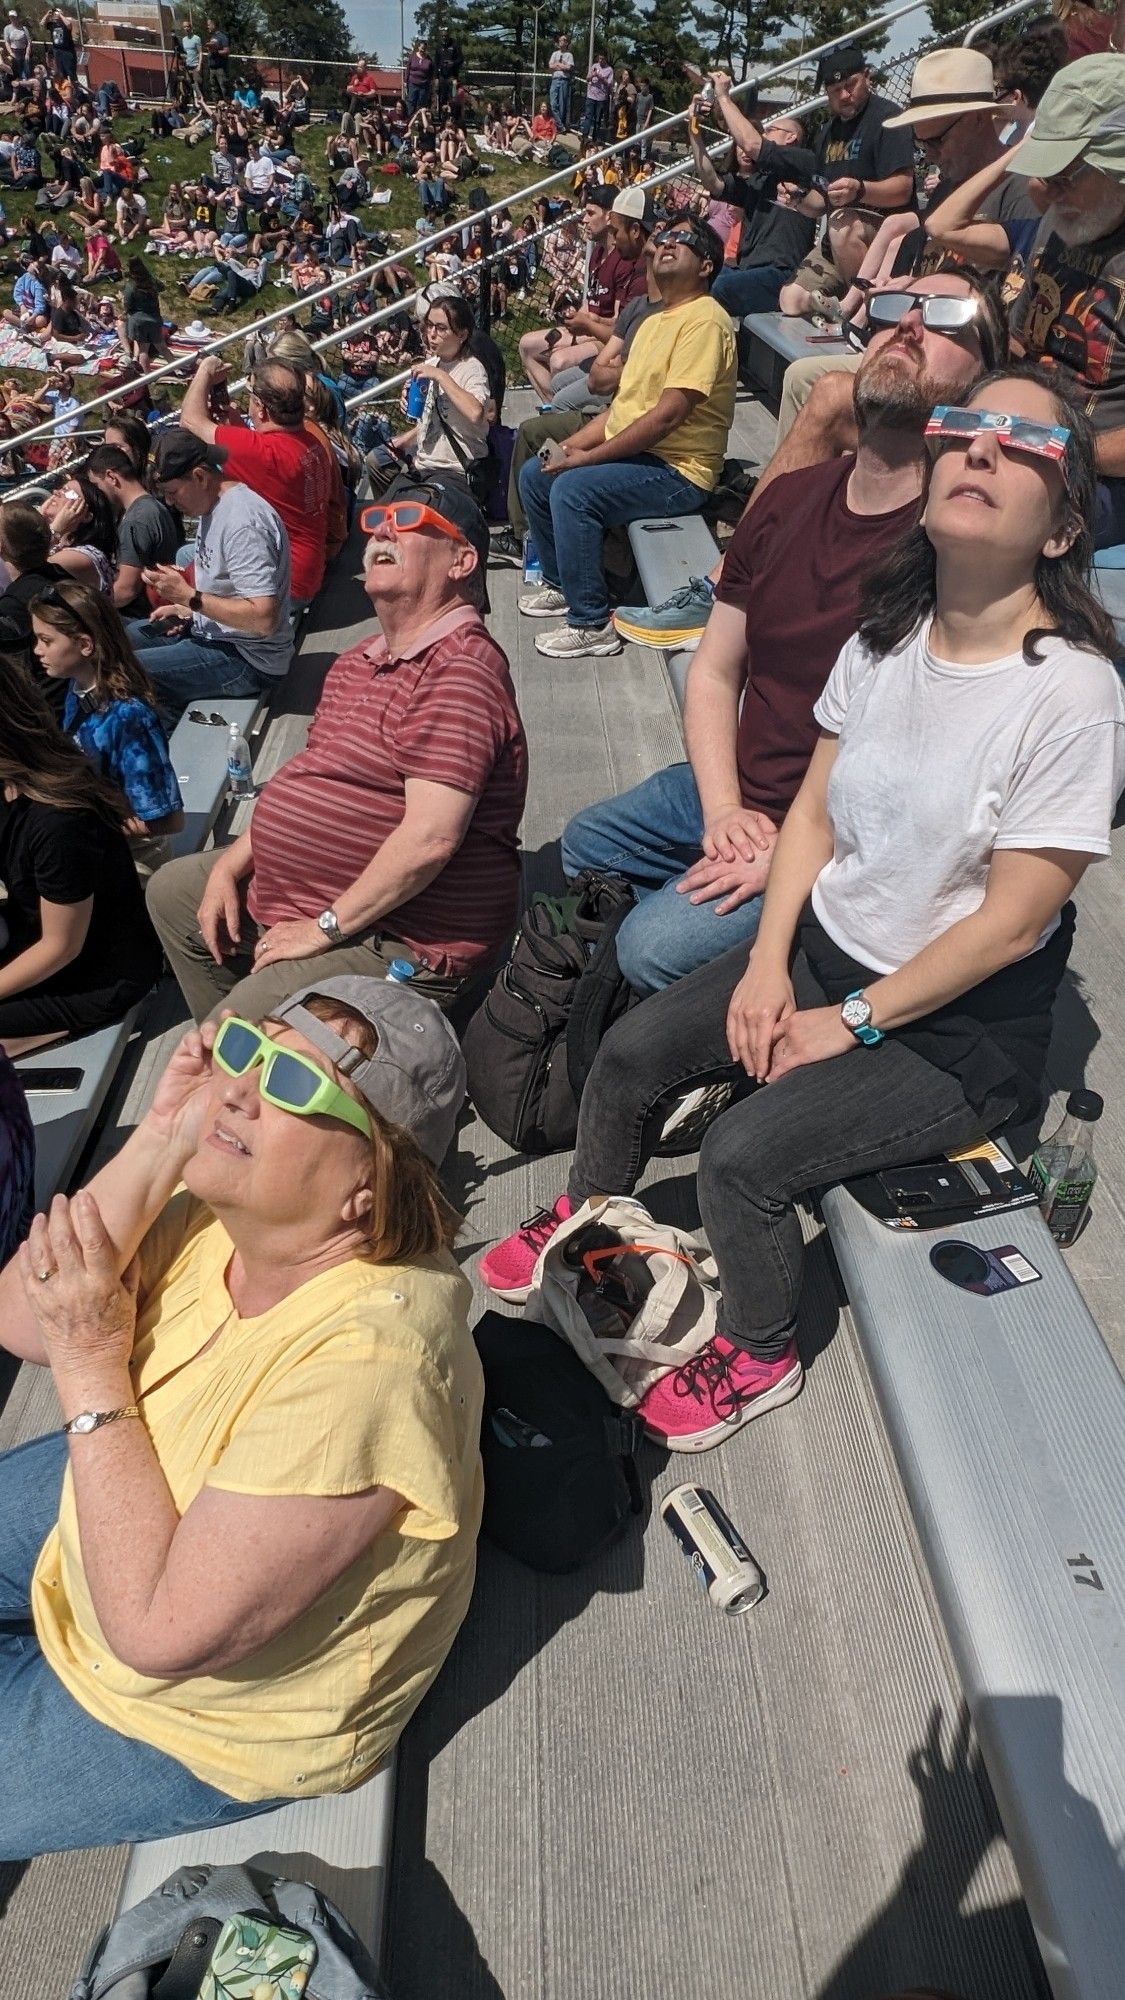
x,y
952,17
739,33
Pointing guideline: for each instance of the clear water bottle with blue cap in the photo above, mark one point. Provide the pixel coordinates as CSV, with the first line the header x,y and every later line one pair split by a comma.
x,y
400,971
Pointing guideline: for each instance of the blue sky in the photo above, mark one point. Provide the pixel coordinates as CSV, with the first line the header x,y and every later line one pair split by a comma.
x,y
375,25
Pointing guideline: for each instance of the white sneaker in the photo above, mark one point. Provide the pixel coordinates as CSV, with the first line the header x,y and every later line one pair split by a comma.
x,y
575,642
544,602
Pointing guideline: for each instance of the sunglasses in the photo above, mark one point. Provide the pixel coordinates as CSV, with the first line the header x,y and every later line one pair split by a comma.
x,y
288,1081
406,515
948,425
214,720
939,315
682,234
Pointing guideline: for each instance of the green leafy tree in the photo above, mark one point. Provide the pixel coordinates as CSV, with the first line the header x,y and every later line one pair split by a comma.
x,y
739,33
305,28
952,17
240,19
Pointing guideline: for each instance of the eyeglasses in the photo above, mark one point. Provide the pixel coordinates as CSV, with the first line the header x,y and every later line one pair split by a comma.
x,y
948,425
288,1081
940,314
406,515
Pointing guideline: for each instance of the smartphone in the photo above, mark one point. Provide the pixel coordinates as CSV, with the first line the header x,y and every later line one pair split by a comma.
x,y
934,1186
259,1958
50,1082
825,339
551,453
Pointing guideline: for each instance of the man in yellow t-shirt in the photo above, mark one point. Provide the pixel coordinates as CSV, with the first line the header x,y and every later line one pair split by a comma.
x,y
657,450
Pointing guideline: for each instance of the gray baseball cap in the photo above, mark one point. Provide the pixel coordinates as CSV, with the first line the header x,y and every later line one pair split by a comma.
x,y
416,1078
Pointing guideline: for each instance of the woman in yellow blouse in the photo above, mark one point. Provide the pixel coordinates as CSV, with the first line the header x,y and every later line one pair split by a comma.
x,y
232,1576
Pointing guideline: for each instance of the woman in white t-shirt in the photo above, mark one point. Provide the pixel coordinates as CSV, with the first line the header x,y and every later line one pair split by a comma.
x,y
917,922
451,435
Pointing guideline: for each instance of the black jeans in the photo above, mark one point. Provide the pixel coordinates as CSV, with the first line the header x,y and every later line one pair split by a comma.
x,y
867,1109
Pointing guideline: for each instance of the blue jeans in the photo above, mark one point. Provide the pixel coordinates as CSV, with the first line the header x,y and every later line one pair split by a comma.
x,y
558,97
68,1780
595,118
652,835
184,668
1109,513
570,513
753,291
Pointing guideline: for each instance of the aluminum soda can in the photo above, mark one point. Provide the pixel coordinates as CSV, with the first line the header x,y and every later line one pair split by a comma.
x,y
415,398
713,1546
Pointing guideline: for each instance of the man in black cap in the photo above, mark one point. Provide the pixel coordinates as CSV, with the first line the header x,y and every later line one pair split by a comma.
x,y
226,631
394,834
865,170
769,173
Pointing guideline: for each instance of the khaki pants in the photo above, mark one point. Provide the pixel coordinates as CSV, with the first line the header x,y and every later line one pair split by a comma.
x,y
799,378
174,894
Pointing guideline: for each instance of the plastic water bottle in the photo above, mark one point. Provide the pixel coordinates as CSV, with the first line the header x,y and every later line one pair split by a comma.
x,y
240,774
415,398
1062,1170
400,971
532,567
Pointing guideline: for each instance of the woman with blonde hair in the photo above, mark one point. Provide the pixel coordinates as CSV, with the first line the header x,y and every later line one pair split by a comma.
x,y
240,1564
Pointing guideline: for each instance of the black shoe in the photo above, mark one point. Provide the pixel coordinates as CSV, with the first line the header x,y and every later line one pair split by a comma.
x,y
504,551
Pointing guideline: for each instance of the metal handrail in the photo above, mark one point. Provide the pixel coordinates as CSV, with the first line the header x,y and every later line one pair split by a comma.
x,y
172,368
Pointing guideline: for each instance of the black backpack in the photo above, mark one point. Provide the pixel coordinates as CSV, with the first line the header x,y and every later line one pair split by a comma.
x,y
531,1046
560,1480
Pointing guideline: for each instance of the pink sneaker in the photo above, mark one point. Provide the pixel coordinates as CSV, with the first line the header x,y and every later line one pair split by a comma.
x,y
507,1270
715,1393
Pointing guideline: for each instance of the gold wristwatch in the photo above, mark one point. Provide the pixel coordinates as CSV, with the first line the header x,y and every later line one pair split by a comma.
x,y
92,1420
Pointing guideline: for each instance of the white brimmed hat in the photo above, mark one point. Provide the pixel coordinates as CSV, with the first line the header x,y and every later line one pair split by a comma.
x,y
946,83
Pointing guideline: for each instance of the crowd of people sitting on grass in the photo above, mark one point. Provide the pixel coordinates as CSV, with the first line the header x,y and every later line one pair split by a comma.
x,y
853,905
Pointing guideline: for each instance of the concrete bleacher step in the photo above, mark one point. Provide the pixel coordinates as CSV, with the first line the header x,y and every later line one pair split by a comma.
x,y
1007,1418
64,1122
342,1845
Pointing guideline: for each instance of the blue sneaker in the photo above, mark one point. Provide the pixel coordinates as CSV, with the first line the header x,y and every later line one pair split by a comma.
x,y
676,626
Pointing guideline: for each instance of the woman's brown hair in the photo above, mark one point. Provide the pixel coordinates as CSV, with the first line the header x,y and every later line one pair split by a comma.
x,y
410,1216
86,614
43,764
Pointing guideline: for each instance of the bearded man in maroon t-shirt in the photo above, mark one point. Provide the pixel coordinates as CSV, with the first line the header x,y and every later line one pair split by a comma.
x,y
696,840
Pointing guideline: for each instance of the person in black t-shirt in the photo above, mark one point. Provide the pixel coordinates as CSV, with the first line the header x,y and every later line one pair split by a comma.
x,y
771,174
80,950
864,171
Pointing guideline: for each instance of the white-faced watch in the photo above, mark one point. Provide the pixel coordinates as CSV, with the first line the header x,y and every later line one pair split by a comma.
x,y
329,923
856,1015
92,1420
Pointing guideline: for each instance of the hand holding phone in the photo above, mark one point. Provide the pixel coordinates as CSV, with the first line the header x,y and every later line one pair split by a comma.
x,y
551,454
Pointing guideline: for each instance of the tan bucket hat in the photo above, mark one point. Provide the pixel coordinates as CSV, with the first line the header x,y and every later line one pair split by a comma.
x,y
946,83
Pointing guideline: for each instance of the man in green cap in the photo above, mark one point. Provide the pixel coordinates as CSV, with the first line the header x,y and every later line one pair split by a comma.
x,y
1070,314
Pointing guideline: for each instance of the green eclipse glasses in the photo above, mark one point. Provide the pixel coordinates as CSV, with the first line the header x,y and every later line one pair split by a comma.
x,y
947,424
289,1081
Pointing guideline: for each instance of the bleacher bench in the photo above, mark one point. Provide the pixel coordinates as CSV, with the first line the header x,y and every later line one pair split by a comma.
x,y
340,1844
1007,1418
668,554
772,341
199,759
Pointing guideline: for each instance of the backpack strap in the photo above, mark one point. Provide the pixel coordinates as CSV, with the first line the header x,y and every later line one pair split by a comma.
x,y
190,1963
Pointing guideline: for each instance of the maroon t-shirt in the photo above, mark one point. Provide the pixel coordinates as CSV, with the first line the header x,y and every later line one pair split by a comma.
x,y
794,568
613,281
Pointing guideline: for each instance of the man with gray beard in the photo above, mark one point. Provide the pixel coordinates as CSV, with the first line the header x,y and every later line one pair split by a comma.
x,y
696,841
1070,314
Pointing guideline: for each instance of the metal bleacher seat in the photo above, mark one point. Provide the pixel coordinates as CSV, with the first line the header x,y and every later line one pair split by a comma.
x,y
772,341
1006,1415
341,1843
199,759
668,554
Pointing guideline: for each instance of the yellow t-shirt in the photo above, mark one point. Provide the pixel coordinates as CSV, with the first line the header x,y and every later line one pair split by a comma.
x,y
365,1376
691,347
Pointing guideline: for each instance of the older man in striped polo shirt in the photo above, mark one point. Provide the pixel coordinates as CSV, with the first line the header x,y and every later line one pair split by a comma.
x,y
394,833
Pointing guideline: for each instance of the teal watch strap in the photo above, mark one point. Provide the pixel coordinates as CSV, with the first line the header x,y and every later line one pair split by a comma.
x,y
869,1036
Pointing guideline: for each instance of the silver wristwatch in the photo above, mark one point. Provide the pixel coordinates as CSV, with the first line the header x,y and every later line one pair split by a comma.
x,y
329,923
92,1420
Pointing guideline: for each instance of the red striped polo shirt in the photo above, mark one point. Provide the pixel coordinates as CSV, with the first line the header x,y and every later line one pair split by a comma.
x,y
446,712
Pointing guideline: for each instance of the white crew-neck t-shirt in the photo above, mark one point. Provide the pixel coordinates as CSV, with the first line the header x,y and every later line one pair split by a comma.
x,y
939,765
